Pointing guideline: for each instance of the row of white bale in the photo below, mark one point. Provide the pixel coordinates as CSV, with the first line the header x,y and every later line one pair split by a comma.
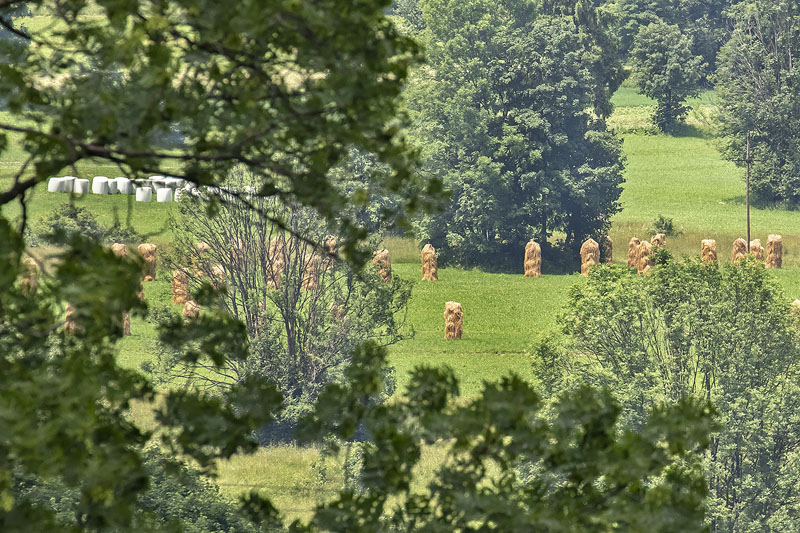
x,y
166,189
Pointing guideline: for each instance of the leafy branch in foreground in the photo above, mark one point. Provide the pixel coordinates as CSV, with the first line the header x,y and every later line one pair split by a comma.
x,y
284,90
65,400
509,466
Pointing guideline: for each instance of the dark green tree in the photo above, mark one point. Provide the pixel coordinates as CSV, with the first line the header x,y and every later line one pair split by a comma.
x,y
696,330
704,21
758,82
287,91
410,12
504,112
665,70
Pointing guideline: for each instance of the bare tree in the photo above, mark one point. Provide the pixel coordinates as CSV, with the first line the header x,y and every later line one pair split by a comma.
x,y
304,310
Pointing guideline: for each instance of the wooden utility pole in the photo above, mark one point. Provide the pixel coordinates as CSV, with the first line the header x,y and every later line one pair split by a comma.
x,y
747,193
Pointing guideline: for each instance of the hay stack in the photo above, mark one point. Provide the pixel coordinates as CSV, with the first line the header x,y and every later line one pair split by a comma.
x,y
329,245
383,263
201,248
119,249
756,250
311,273
29,276
774,251
148,252
180,287
607,246
739,250
337,310
198,259
69,320
633,253
430,270
453,318
218,277
191,309
658,240
590,255
126,324
277,261
708,250
533,260
795,308
645,258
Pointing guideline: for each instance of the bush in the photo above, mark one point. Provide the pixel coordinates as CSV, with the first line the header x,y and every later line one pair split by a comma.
x,y
68,220
696,330
179,498
665,225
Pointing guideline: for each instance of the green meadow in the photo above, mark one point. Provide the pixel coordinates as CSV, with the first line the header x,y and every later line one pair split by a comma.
x,y
680,176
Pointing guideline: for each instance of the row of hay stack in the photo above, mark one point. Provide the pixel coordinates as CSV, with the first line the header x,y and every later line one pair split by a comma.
x,y
589,252
640,253
314,265
774,251
148,252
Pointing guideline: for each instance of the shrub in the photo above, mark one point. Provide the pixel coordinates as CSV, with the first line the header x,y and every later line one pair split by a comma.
x,y
697,330
179,498
68,220
665,225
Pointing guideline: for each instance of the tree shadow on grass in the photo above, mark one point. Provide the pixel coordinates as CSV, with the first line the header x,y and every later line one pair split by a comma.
x,y
689,131
759,203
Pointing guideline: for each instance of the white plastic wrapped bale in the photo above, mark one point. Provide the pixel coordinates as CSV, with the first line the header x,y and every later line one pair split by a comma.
x,y
69,183
157,182
174,183
100,185
81,186
143,183
55,185
164,195
144,194
112,186
124,185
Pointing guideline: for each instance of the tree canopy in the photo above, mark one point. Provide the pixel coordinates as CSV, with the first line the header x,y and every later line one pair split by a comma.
x,y
666,70
286,91
757,82
504,114
698,330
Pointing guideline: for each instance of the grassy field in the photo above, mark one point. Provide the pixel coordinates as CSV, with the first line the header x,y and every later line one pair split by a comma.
x,y
680,176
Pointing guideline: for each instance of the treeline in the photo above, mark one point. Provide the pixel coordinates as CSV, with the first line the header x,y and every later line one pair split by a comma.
x,y
509,109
